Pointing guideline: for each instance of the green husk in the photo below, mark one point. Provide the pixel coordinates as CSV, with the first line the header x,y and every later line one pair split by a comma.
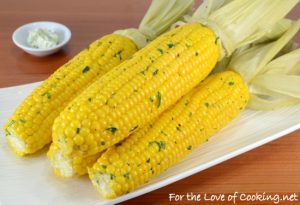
x,y
158,19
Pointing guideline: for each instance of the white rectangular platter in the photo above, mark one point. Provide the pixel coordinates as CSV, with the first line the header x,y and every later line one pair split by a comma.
x,y
30,180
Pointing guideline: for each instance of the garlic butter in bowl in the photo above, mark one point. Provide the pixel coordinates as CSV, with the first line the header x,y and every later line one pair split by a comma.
x,y
41,38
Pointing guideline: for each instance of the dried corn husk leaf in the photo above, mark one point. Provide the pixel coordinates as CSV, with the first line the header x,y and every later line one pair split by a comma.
x,y
272,71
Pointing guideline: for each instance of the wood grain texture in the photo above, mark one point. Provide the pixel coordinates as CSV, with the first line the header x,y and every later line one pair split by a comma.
x,y
273,168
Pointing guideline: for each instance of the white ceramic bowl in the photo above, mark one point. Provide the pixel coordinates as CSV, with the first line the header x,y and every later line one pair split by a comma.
x,y
21,34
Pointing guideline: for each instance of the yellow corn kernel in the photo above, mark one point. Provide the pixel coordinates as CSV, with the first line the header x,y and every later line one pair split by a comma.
x,y
178,131
29,128
137,91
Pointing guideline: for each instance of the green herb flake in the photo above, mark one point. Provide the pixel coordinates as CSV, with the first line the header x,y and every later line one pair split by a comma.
x,y
186,103
163,133
112,177
230,83
134,128
189,147
104,166
22,121
158,95
90,99
143,72
148,160
160,144
77,130
152,170
102,142
190,114
187,45
126,175
48,94
170,45
151,99
113,130
86,69
196,54
118,54
206,104
160,50
155,72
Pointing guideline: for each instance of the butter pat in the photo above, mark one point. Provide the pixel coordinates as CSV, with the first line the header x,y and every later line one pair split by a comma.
x,y
42,38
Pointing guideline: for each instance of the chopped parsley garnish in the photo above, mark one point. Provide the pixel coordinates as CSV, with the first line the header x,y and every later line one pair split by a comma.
x,y
86,69
48,94
189,147
158,95
22,121
160,144
102,142
118,54
155,72
113,130
160,50
163,133
148,160
206,104
77,130
231,83
170,45
126,175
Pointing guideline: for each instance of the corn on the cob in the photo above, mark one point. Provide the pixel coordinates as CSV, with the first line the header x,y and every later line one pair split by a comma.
x,y
132,94
179,130
137,91
87,136
29,128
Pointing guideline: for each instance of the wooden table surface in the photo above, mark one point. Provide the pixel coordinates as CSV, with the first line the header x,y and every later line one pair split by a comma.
x,y
272,168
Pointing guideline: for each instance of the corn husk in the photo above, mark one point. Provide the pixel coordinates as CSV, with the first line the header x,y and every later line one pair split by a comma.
x,y
158,19
238,23
271,35
271,70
